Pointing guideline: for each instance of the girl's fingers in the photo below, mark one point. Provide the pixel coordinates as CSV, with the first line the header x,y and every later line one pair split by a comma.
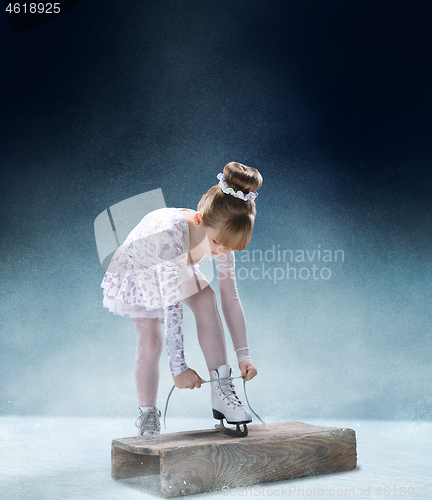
x,y
251,372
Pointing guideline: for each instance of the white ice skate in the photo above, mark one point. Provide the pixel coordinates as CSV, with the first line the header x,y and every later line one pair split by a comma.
x,y
226,404
148,421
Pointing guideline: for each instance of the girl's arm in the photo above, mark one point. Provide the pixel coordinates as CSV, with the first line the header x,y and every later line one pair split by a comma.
x,y
170,286
231,304
163,252
168,271
233,313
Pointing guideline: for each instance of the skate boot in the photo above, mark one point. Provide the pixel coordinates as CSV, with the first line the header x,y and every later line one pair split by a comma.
x,y
226,404
148,421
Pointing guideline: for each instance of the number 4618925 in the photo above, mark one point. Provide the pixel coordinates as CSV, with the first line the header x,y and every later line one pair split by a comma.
x,y
33,8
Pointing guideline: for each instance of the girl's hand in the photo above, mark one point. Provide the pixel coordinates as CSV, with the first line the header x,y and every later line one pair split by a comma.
x,y
248,370
188,380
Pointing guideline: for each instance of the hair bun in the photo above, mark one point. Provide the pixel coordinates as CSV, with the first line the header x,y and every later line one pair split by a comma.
x,y
242,178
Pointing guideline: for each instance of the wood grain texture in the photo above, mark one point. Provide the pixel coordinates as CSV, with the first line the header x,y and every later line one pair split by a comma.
x,y
153,445
125,464
197,461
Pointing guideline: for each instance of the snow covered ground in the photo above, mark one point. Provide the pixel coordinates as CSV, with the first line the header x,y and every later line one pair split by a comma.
x,y
69,458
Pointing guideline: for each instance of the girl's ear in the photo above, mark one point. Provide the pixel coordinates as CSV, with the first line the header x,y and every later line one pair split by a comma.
x,y
198,218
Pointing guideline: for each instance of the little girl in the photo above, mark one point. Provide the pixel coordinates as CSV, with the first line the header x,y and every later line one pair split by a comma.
x,y
155,272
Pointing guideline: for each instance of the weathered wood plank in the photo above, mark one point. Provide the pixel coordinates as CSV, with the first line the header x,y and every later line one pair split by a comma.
x,y
199,461
267,459
125,464
152,445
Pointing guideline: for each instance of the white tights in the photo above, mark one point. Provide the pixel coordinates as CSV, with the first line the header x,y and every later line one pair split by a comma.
x,y
211,338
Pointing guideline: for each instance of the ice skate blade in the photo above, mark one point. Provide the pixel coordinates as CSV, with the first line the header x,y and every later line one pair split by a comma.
x,y
231,432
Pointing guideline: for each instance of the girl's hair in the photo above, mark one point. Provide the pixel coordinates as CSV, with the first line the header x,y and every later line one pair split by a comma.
x,y
232,216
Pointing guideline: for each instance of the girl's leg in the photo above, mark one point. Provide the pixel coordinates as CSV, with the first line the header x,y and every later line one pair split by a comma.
x,y
149,349
211,336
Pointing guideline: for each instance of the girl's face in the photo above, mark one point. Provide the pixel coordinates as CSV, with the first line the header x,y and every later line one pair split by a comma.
x,y
215,247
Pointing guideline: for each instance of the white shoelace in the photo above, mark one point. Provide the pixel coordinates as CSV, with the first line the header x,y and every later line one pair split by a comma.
x,y
228,391
150,417
237,400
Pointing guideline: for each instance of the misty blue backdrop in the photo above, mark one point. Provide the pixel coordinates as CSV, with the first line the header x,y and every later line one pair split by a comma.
x,y
329,100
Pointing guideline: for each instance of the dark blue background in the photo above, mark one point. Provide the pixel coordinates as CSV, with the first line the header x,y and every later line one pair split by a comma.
x,y
329,100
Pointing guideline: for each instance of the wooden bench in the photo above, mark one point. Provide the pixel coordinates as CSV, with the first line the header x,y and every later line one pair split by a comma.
x,y
205,460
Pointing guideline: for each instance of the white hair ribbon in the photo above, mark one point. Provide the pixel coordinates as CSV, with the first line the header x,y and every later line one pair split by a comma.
x,y
237,194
